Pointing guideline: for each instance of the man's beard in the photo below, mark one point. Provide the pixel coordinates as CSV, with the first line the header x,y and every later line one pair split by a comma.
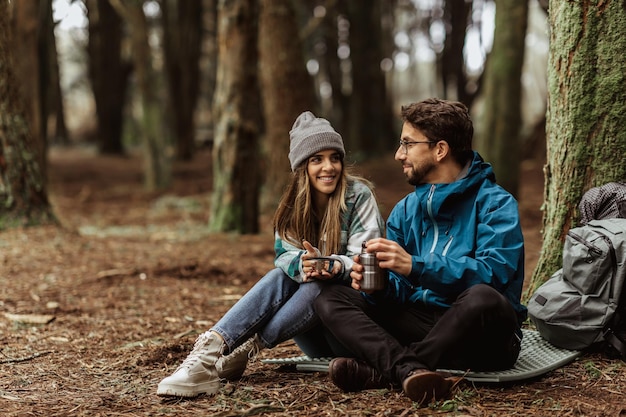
x,y
417,174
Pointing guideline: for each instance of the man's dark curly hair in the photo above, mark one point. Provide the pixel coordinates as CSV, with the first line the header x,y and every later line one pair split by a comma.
x,y
443,120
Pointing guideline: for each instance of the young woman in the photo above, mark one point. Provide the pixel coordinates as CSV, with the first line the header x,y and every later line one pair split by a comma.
x,y
325,211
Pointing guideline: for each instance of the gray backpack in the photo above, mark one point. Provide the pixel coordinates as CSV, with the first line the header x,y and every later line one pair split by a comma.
x,y
582,302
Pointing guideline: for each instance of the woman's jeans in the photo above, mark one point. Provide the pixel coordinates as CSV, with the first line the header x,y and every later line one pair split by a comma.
x,y
277,309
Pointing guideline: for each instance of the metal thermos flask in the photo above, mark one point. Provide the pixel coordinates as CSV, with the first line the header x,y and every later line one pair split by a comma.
x,y
373,275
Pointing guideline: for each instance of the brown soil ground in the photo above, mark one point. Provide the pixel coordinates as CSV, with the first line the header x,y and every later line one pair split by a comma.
x,y
126,284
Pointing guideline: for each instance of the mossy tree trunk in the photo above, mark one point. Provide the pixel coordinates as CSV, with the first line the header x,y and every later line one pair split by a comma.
x,y
235,200
287,90
157,152
23,195
585,118
499,138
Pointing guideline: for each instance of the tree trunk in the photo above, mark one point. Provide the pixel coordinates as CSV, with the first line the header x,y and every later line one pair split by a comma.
x,y
27,61
45,70
585,118
211,51
108,74
55,107
502,119
320,38
452,63
182,30
235,202
336,108
23,196
208,72
157,167
287,90
370,125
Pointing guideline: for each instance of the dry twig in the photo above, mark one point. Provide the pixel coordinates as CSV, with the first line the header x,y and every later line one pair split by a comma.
x,y
25,358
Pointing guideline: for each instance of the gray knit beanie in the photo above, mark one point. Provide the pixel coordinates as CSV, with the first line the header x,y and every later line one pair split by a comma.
x,y
310,135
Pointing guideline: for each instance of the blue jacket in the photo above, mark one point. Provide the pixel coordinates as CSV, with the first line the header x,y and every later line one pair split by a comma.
x,y
459,234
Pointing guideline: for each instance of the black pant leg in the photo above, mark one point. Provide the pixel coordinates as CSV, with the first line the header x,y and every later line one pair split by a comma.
x,y
355,323
478,332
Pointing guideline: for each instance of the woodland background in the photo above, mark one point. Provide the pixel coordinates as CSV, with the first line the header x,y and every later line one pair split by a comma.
x,y
143,147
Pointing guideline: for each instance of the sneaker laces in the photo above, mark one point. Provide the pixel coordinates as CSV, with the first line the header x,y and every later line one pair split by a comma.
x,y
200,347
256,348
253,350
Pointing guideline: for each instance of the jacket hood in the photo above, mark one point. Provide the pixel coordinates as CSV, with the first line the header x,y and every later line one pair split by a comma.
x,y
478,172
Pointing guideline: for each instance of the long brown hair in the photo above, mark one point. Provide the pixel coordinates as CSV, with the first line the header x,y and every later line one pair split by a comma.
x,y
296,219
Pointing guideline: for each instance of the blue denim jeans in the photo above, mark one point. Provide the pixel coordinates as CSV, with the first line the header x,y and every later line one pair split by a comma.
x,y
277,309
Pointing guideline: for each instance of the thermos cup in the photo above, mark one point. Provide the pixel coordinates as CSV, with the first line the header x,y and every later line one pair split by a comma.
x,y
373,276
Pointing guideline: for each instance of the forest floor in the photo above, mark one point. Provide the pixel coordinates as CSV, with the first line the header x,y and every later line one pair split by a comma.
x,y
96,312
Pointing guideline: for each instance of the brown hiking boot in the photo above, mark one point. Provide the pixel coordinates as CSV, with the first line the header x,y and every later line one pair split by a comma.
x,y
353,375
423,386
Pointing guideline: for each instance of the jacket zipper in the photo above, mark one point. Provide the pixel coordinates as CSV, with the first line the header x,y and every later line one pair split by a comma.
x,y
429,205
592,248
447,246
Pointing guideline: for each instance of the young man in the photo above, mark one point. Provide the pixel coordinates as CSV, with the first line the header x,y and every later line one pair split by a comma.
x,y
455,257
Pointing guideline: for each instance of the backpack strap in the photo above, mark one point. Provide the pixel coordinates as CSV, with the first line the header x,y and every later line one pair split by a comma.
x,y
613,339
621,207
611,332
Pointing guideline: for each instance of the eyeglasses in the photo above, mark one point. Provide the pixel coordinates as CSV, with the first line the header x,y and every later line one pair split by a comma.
x,y
405,145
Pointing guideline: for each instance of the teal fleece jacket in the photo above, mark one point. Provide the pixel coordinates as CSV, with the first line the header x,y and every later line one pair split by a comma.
x,y
362,221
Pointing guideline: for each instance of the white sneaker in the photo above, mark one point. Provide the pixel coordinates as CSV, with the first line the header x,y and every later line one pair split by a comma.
x,y
197,374
232,366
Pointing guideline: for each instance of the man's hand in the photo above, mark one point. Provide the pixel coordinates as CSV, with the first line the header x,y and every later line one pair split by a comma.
x,y
390,255
357,273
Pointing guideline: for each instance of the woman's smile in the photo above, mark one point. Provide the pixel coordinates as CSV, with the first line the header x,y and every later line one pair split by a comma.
x,y
327,179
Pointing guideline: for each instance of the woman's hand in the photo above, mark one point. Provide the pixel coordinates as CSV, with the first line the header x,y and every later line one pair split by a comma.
x,y
316,268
